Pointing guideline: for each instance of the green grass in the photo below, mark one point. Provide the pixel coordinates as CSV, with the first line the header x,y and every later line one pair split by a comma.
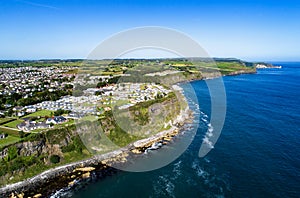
x,y
9,131
13,124
121,102
74,156
91,118
38,130
38,168
41,113
5,120
65,124
8,140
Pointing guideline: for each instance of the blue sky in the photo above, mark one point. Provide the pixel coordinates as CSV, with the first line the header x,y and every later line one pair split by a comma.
x,y
250,30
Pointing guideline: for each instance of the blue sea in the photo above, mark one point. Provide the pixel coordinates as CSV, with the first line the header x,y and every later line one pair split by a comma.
x,y
256,155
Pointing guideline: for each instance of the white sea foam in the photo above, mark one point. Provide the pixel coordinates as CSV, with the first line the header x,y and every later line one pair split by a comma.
x,y
62,193
210,129
203,119
207,160
177,170
208,142
199,171
209,179
164,187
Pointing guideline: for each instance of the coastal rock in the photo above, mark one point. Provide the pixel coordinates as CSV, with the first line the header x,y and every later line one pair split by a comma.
x,y
37,196
3,153
30,148
85,169
86,175
71,183
20,195
136,151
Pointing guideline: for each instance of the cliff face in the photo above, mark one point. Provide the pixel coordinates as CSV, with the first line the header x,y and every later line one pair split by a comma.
x,y
122,128
35,152
31,148
26,149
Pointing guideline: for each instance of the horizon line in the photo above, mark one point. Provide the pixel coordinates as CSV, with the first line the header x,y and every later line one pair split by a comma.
x,y
143,58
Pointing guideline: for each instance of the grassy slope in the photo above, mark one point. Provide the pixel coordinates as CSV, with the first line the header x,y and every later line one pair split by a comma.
x,y
13,124
39,113
8,140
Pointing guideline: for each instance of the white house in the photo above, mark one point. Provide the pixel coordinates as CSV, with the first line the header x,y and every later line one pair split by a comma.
x,y
31,110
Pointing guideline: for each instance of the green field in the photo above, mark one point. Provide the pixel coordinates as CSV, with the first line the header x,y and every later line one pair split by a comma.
x,y
5,120
13,124
39,113
8,140
9,131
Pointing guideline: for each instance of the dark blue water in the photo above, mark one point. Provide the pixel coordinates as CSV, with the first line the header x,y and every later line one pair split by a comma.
x,y
257,154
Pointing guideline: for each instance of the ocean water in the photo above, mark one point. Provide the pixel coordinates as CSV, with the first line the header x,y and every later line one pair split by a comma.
x,y
257,154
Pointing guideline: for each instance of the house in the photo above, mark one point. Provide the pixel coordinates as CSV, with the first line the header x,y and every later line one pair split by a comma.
x,y
18,108
30,110
31,125
74,115
56,120
20,113
2,114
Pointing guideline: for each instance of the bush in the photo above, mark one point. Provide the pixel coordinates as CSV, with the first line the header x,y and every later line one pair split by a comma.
x,y
21,134
68,148
12,153
54,159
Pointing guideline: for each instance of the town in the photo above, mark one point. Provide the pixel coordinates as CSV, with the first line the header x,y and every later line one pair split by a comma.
x,y
34,99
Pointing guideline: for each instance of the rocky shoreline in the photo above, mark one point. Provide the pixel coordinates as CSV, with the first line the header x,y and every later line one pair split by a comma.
x,y
67,176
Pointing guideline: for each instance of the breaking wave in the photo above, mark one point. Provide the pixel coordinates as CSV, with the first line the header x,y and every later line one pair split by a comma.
x,y
209,132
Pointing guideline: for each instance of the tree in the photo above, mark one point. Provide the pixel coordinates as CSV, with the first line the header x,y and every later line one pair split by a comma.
x,y
101,84
21,134
54,159
12,153
59,112
78,144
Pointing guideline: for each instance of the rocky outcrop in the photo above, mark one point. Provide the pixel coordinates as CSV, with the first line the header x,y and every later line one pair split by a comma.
x,y
3,153
242,72
27,149
31,148
162,137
